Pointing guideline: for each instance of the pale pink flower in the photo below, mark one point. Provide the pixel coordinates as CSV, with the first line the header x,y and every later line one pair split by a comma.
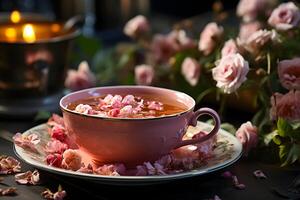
x,y
180,38
247,134
71,160
27,142
260,39
209,38
286,106
128,100
250,9
163,47
9,165
80,79
137,26
29,177
231,72
247,29
127,111
190,69
285,16
155,105
55,146
230,47
289,73
144,74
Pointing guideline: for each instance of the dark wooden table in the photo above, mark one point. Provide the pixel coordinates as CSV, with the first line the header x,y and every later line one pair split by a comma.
x,y
276,186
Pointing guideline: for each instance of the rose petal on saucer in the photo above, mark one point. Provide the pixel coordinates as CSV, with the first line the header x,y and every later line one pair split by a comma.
x,y
27,142
55,146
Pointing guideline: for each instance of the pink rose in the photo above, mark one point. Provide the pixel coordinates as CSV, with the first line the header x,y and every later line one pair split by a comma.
x,y
181,39
289,73
247,29
163,47
251,9
285,16
231,72
144,74
136,26
286,106
81,79
209,38
229,47
190,69
260,39
247,134
71,160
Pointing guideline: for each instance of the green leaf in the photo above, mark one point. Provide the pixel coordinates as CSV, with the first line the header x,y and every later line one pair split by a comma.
x,y
293,155
269,137
283,151
284,128
277,139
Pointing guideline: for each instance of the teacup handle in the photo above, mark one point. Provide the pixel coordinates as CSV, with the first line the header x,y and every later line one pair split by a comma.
x,y
193,122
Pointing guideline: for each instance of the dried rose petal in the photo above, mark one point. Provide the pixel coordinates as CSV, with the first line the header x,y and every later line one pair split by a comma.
x,y
71,160
216,197
55,146
259,174
56,120
59,195
30,178
8,191
27,142
9,165
110,170
54,160
227,174
86,169
58,133
237,184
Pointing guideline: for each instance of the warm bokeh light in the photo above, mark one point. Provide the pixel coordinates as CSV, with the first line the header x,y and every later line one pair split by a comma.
x,y
55,28
11,34
15,17
28,33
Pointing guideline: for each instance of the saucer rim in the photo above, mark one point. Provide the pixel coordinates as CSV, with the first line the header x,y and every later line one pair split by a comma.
x,y
95,177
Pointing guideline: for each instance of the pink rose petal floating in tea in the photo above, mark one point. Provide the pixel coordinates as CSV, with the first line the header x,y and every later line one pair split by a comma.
x,y
128,106
30,178
9,165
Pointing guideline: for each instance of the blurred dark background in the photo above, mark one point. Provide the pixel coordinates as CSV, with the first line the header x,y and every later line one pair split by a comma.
x,y
110,14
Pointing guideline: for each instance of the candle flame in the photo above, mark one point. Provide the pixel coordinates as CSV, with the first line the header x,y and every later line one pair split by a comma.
x,y
11,34
15,17
28,33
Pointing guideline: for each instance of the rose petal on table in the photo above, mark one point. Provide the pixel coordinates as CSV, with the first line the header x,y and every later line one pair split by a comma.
x,y
216,197
30,178
259,174
59,195
8,191
9,165
237,184
227,174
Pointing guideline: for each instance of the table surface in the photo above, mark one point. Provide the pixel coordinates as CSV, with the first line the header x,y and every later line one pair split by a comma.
x,y
276,186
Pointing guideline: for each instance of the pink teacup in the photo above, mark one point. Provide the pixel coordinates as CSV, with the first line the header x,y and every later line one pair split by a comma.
x,y
133,141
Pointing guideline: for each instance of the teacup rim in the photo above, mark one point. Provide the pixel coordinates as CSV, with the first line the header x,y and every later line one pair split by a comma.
x,y
190,108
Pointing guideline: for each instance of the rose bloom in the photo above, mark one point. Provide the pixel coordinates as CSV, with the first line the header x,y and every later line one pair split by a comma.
x,y
289,73
209,38
259,39
136,26
250,9
144,74
80,79
230,47
247,29
183,41
190,69
163,47
286,106
231,72
285,16
248,136
71,160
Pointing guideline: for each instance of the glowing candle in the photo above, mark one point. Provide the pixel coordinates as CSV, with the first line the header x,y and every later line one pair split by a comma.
x,y
28,33
11,34
15,17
